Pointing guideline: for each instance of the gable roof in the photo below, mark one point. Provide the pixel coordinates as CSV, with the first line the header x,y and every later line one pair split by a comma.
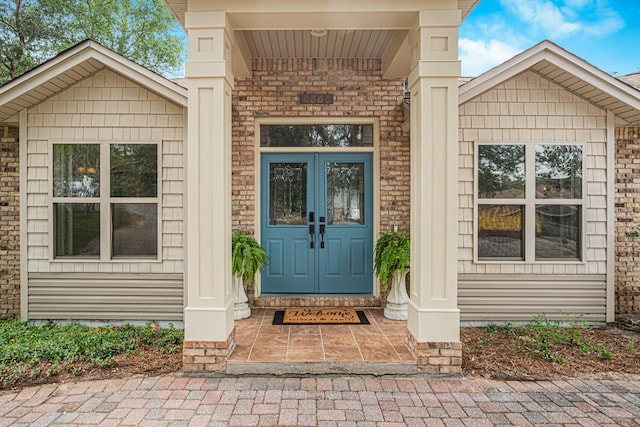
x,y
71,66
568,71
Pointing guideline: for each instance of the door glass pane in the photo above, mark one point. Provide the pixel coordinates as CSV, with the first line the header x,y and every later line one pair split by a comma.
x,y
557,232
135,229
501,172
558,172
134,170
316,135
345,193
500,231
76,170
77,229
288,193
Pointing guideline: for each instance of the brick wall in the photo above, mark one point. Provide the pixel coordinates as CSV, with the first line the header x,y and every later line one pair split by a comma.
x,y
359,91
627,220
10,223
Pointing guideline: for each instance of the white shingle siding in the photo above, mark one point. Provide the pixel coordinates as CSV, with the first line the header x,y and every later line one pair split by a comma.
x,y
530,109
103,108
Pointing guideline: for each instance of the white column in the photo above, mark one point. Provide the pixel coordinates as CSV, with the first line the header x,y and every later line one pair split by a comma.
x,y
209,312
433,309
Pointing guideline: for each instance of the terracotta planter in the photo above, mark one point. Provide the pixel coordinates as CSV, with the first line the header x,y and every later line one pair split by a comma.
x,y
241,308
397,298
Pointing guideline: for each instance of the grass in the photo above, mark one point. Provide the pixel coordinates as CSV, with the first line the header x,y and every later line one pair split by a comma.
x,y
30,352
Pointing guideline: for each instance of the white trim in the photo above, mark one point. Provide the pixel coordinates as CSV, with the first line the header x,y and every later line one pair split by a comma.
x,y
530,202
24,243
564,60
90,50
375,150
105,201
611,196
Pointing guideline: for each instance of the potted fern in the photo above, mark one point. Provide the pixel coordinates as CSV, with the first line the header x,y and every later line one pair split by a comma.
x,y
391,261
247,258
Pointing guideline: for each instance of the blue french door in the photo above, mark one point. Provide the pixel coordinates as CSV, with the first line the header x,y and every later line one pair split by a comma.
x,y
317,222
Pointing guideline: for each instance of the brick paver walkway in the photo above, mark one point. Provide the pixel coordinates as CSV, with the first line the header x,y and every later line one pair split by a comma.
x,y
330,401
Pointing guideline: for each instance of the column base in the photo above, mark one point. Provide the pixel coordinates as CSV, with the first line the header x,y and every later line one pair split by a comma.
x,y
207,356
436,357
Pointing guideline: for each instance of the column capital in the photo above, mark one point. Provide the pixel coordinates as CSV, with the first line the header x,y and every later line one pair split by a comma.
x,y
206,20
439,18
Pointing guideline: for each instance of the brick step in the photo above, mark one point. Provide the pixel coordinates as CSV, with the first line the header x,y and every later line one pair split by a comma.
x,y
283,301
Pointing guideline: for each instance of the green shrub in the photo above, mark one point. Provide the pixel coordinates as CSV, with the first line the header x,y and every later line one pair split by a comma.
x,y
25,349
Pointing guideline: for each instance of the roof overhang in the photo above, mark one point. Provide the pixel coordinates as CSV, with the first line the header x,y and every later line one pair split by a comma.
x,y
352,29
72,66
309,14
568,71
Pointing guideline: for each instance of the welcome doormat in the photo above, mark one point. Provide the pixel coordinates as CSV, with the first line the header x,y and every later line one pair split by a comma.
x,y
320,316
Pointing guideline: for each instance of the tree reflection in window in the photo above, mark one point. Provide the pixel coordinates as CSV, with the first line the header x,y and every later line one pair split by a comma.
x,y
558,171
316,135
76,170
501,172
288,193
345,193
134,170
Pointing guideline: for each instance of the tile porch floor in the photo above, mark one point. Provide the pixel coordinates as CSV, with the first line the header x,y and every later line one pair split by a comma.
x,y
257,340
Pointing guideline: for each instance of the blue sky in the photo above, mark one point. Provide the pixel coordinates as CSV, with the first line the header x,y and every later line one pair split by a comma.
x,y
606,33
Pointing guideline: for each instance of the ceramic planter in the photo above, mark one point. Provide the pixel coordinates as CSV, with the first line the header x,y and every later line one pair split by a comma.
x,y
397,298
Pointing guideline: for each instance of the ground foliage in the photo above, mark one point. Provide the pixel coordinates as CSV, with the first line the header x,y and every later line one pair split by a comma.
x,y
548,349
33,354
545,349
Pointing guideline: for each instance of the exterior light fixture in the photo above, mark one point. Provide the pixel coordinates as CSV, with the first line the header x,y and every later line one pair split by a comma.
x,y
319,33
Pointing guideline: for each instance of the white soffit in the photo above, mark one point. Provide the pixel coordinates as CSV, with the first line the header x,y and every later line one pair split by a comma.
x,y
301,44
568,71
73,65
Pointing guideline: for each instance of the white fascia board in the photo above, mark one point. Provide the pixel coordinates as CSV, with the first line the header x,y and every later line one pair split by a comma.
x,y
563,59
84,52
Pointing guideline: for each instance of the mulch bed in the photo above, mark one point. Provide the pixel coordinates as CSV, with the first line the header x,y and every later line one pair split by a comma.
x,y
486,354
493,355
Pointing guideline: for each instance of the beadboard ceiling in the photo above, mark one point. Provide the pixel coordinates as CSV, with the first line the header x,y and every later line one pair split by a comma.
x,y
301,44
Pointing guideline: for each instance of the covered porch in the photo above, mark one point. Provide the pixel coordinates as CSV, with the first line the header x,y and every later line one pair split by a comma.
x,y
413,41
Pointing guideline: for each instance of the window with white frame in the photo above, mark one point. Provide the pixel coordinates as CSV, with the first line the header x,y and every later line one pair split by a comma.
x,y
530,200
105,200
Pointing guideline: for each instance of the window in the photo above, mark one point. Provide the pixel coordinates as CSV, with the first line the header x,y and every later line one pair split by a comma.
x,y
530,202
339,135
105,200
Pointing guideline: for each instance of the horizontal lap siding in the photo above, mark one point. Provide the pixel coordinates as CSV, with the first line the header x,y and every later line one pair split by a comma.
x,y
520,298
106,297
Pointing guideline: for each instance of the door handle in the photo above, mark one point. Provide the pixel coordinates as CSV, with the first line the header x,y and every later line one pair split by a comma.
x,y
321,236
312,232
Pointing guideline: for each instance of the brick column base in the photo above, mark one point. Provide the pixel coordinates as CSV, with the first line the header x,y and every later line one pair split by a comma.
x,y
207,356
436,357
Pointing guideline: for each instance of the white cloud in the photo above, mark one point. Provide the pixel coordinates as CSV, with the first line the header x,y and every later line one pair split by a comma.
x,y
478,56
565,18
544,15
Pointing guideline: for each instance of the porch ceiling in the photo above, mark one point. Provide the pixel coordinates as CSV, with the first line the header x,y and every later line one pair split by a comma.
x,y
301,44
355,28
